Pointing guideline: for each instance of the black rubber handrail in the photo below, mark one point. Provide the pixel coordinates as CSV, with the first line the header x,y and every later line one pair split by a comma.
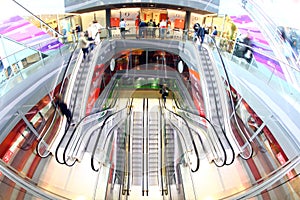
x,y
162,150
113,103
100,132
231,100
80,121
68,125
209,122
55,114
191,136
221,127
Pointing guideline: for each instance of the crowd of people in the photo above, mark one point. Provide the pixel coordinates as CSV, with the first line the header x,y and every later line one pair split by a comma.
x,y
89,38
147,29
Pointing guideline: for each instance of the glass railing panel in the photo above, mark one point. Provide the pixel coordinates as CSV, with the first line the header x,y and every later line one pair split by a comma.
x,y
267,69
100,154
133,32
15,186
25,61
48,32
286,188
13,66
269,27
273,150
282,183
11,190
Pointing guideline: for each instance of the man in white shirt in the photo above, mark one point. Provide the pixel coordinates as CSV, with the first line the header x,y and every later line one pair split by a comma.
x,y
122,28
163,27
95,28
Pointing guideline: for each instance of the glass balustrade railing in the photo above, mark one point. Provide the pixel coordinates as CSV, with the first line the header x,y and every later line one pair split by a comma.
x,y
265,67
25,60
14,185
277,180
277,37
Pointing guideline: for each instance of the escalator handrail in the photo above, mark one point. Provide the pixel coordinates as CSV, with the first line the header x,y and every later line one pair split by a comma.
x,y
162,166
55,114
232,102
191,136
222,128
26,183
68,125
109,108
100,132
209,122
127,152
67,128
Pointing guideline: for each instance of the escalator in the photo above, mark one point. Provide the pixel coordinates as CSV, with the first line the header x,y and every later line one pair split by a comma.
x,y
178,157
216,116
145,150
121,154
77,98
170,153
137,156
153,148
137,148
117,186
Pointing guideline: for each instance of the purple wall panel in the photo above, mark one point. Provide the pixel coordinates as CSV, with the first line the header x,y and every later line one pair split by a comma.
x,y
260,44
20,30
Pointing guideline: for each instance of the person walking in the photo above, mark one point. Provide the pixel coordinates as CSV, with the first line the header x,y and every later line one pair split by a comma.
x,y
196,28
164,92
201,35
122,28
63,108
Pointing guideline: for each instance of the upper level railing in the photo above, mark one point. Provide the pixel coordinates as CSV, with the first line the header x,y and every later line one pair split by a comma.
x,y
25,61
279,44
265,67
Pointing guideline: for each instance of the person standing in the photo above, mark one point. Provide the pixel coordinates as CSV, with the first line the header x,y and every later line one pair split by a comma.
x,y
93,31
163,27
168,28
90,36
137,24
78,31
96,27
196,28
122,28
164,92
214,34
97,39
2,77
142,29
84,45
